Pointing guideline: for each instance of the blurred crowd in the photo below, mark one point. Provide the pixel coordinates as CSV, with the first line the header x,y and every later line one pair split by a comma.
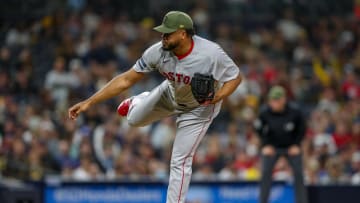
x,y
51,61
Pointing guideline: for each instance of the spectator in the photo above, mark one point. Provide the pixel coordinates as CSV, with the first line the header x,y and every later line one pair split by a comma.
x,y
58,82
87,170
17,161
355,161
341,136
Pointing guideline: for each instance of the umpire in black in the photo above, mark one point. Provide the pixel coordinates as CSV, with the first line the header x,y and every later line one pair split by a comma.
x,y
281,128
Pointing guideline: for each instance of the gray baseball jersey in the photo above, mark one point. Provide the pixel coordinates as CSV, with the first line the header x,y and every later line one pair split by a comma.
x,y
174,97
206,57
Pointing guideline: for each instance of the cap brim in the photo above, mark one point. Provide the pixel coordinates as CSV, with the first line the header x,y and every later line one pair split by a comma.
x,y
164,29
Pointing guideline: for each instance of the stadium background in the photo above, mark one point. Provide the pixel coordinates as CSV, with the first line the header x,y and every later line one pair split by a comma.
x,y
54,53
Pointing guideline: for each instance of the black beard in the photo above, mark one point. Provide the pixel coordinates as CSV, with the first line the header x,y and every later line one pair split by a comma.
x,y
170,47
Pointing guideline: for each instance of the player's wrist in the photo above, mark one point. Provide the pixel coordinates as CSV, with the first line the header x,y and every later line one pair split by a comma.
x,y
89,101
218,97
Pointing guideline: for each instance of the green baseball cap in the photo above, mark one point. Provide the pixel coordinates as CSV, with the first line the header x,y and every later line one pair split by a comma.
x,y
276,92
173,21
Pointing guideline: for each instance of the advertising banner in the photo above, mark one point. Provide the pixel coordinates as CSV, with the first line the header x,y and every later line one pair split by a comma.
x,y
156,193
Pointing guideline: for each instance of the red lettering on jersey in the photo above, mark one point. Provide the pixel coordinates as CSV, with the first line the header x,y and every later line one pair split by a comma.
x,y
165,75
179,76
171,76
186,80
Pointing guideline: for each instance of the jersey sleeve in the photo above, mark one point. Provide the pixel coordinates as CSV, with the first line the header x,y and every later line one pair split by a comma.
x,y
225,69
149,60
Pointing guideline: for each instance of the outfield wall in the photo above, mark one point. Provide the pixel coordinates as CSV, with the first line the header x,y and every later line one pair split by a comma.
x,y
55,191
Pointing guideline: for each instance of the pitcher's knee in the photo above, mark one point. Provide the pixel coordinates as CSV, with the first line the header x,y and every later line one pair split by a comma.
x,y
175,165
182,165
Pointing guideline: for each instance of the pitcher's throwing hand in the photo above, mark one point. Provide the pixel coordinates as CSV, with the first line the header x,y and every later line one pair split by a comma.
x,y
75,110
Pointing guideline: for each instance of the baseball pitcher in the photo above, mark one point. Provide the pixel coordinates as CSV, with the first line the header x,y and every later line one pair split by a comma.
x,y
198,76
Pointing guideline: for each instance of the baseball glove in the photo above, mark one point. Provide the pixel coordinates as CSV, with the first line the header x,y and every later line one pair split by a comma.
x,y
202,87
